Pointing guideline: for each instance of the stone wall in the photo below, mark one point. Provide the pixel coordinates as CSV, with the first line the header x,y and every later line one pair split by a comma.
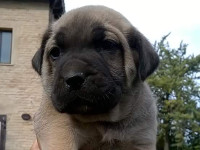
x,y
20,88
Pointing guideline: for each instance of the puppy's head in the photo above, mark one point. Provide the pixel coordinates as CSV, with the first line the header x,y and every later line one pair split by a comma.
x,y
89,57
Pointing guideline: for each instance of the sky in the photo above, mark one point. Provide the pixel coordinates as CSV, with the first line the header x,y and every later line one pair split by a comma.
x,y
157,18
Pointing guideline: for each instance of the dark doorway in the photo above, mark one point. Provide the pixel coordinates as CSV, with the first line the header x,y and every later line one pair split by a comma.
x,y
2,132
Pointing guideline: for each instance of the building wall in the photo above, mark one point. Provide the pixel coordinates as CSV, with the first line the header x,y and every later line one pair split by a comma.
x,y
20,88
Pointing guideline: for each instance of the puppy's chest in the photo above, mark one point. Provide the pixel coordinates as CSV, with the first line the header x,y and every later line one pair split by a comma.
x,y
99,145
106,139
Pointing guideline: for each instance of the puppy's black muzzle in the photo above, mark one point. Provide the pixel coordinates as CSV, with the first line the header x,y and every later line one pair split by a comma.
x,y
84,85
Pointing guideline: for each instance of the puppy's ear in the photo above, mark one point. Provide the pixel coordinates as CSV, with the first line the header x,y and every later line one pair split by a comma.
x,y
38,57
37,61
148,59
57,9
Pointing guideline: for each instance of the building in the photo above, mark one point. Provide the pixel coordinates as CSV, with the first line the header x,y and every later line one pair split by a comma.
x,y
22,23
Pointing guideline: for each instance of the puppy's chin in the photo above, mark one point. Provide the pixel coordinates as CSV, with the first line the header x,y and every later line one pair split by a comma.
x,y
89,104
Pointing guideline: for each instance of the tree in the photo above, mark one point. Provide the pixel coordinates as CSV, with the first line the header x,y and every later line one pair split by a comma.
x,y
177,89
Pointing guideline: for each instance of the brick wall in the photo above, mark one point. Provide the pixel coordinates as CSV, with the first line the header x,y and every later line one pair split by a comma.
x,y
20,88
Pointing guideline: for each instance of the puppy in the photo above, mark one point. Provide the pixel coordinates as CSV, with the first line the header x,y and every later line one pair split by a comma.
x,y
93,64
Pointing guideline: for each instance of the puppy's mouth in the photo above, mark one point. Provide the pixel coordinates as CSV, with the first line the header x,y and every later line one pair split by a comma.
x,y
79,103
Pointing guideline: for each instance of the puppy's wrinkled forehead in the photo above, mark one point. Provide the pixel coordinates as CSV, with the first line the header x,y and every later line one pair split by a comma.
x,y
78,26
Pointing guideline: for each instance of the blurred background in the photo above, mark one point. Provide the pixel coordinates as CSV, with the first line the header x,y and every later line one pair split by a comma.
x,y
173,28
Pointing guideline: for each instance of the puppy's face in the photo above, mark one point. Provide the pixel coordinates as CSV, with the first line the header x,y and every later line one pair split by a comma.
x,y
89,57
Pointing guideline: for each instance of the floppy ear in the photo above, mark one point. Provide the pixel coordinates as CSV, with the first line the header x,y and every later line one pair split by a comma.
x,y
148,59
57,9
38,57
37,61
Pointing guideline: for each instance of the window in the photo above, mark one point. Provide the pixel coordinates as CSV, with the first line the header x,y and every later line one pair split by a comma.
x,y
5,46
2,131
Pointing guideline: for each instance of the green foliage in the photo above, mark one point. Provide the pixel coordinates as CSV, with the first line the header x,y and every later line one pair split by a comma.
x,y
177,89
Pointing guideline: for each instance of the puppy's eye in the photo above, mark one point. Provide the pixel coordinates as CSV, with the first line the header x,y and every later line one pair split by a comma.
x,y
109,45
55,53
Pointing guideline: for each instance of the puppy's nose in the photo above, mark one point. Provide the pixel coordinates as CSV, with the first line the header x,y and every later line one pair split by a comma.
x,y
75,81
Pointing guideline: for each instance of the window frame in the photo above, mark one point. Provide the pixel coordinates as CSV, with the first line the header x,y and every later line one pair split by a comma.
x,y
11,45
